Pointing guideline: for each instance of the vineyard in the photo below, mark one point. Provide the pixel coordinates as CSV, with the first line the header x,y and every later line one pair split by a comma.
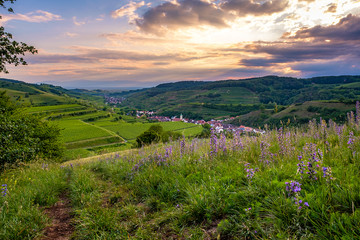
x,y
87,131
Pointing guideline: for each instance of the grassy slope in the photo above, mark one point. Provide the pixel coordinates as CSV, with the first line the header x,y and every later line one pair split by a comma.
x,y
194,193
164,101
130,131
174,99
297,114
40,98
76,130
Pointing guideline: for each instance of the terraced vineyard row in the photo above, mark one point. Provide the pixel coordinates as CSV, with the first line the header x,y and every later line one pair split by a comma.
x,y
87,131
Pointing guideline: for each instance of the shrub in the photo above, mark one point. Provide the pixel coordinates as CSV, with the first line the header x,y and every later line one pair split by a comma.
x,y
25,137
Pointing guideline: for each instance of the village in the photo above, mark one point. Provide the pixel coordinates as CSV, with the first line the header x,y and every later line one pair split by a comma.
x,y
218,125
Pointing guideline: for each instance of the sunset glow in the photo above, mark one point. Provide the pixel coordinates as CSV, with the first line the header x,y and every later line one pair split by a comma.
x,y
95,44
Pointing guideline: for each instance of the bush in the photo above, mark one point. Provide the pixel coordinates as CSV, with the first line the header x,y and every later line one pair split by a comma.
x,y
25,137
156,134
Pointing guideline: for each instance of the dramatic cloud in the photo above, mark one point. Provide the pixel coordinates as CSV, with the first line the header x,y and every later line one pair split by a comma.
x,y
185,13
37,17
255,7
347,29
329,44
147,42
96,55
297,52
332,8
128,11
195,13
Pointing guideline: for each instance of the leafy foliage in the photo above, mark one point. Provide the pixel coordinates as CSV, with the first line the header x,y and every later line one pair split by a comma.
x,y
25,137
156,134
11,51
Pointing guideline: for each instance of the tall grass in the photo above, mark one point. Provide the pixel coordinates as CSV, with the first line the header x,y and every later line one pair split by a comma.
x,y
290,183
25,193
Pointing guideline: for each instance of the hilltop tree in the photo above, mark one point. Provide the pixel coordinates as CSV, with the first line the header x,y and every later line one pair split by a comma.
x,y
11,51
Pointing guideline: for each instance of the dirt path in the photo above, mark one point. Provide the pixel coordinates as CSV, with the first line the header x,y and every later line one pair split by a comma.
x,y
61,227
104,129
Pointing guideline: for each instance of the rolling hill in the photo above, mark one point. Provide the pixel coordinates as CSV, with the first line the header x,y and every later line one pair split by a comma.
x,y
268,100
221,99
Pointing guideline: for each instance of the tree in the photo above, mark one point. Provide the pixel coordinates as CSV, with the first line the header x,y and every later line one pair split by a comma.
x,y
206,132
156,134
11,51
24,137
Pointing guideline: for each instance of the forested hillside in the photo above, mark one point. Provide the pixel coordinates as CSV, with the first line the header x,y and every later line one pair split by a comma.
x,y
239,97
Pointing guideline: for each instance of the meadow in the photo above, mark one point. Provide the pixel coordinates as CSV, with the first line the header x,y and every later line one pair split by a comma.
x,y
290,183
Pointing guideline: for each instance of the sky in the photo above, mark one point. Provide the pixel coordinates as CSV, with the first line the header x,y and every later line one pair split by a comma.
x,y
140,43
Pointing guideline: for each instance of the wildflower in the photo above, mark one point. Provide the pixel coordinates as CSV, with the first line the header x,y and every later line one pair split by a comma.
x,y
301,204
357,120
213,143
182,146
4,190
327,174
293,188
250,171
265,152
222,143
314,160
247,209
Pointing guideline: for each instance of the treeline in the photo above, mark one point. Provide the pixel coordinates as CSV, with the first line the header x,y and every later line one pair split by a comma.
x,y
71,114
239,109
93,119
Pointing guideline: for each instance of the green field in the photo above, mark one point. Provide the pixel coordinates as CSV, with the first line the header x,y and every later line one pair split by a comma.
x,y
76,130
87,131
130,131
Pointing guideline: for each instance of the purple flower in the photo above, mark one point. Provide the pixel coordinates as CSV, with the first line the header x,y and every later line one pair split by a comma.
x,y
306,204
327,173
250,171
4,190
